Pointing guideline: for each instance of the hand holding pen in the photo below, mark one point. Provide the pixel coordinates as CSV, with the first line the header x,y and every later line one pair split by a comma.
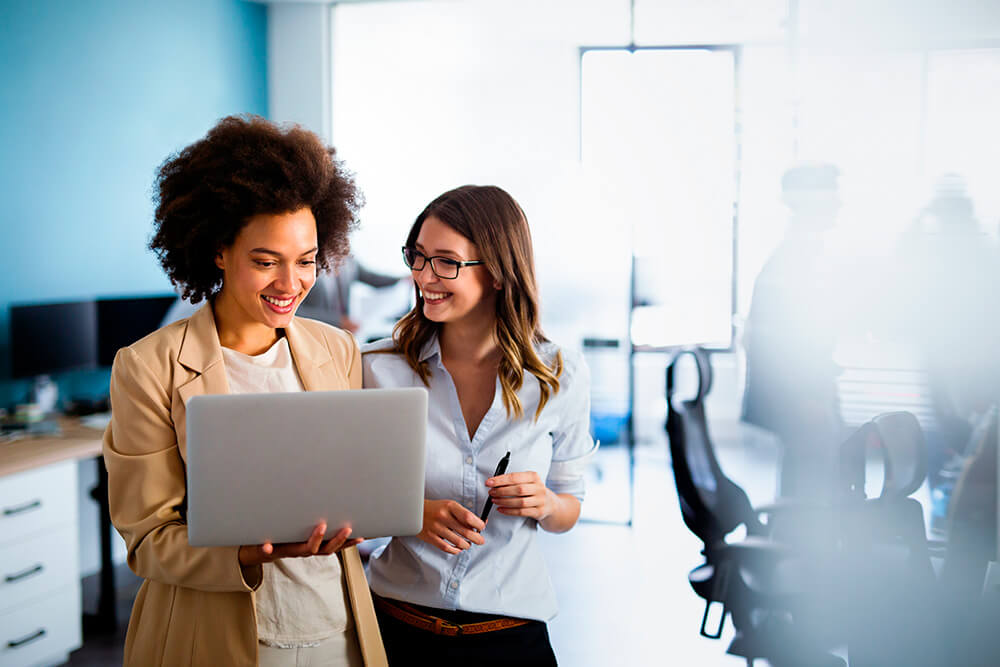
x,y
519,494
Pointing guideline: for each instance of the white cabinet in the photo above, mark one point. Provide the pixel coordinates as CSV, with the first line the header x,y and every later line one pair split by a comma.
x,y
40,617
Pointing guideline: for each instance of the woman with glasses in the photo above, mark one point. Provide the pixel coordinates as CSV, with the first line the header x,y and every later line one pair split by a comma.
x,y
473,582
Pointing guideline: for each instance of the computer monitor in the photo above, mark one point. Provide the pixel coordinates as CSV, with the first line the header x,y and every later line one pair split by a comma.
x,y
121,322
50,338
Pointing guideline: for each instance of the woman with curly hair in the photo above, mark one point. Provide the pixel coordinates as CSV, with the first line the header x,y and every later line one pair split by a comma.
x,y
498,391
243,218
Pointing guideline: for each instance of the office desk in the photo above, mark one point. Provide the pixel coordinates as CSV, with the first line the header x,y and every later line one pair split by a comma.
x,y
75,442
40,615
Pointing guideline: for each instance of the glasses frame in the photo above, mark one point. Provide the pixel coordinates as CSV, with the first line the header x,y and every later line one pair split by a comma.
x,y
430,260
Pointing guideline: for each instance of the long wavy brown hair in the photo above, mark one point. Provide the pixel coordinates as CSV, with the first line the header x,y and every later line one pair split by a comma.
x,y
495,223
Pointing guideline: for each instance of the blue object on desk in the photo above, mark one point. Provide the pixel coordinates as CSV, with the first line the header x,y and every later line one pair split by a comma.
x,y
607,427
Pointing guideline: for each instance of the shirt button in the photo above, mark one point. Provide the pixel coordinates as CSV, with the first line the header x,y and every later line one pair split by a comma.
x,y
454,585
468,459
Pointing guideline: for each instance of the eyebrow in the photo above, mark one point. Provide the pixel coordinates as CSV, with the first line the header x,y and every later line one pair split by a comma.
x,y
268,251
438,251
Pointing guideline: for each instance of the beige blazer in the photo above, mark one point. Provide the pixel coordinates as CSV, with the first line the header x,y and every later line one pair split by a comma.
x,y
196,605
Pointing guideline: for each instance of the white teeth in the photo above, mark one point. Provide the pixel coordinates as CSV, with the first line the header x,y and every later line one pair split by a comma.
x,y
434,296
280,303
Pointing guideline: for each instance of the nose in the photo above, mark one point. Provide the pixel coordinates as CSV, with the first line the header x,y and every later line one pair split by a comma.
x,y
288,280
419,274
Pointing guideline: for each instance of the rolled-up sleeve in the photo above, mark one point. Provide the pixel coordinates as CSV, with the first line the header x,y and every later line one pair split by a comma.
x,y
147,488
572,446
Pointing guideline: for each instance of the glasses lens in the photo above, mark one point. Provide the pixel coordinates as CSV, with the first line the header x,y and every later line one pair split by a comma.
x,y
413,258
445,268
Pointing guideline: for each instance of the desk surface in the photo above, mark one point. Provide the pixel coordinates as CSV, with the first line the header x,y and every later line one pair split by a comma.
x,y
75,442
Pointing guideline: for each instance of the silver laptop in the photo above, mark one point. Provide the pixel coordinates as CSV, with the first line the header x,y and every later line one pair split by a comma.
x,y
271,466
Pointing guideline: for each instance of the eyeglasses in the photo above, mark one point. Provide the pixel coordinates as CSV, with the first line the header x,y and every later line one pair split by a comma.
x,y
443,267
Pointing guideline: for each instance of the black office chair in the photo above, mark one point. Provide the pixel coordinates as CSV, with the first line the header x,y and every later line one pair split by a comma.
x,y
761,583
885,569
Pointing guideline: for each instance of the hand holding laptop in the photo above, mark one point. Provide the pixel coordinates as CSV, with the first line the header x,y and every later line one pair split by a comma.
x,y
314,546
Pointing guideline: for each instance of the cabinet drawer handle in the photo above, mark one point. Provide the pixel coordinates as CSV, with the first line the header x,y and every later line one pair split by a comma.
x,y
20,509
16,643
10,578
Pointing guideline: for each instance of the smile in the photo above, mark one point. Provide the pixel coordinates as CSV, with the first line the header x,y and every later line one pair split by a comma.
x,y
278,303
434,297
281,303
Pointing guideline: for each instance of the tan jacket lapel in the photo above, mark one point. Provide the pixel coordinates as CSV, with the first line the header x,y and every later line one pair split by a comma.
x,y
201,354
310,355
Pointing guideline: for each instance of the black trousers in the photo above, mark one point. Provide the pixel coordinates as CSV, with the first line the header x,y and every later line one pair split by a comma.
x,y
524,646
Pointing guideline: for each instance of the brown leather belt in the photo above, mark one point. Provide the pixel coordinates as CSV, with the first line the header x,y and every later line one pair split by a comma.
x,y
439,626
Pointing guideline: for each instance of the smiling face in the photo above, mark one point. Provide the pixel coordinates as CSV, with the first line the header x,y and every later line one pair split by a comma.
x,y
267,272
468,297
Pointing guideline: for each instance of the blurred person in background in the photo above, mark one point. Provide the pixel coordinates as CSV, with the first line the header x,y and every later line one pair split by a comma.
x,y
330,299
791,385
945,295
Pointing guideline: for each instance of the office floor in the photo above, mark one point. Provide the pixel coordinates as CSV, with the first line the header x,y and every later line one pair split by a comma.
x,y
623,592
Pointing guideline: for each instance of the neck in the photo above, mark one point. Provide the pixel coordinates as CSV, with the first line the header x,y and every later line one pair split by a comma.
x,y
237,332
472,342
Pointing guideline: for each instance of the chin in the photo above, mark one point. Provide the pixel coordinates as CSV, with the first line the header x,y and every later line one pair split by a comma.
x,y
439,318
276,321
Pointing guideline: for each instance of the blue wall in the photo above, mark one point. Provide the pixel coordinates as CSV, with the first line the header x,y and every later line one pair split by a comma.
x,y
94,96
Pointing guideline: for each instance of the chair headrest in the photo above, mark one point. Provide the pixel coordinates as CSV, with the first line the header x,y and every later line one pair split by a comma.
x,y
905,453
898,438
704,367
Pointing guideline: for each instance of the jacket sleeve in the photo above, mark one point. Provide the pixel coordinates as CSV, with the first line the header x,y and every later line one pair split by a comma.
x,y
147,489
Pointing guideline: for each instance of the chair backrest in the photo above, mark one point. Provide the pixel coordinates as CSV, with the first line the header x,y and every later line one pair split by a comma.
x,y
712,505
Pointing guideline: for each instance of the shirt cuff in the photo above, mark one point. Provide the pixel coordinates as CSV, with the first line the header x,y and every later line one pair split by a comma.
x,y
566,476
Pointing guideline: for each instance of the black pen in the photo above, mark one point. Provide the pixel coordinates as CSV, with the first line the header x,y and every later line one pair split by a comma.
x,y
501,469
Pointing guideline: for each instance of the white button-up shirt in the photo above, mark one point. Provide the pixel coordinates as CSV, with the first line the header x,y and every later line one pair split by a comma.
x,y
506,575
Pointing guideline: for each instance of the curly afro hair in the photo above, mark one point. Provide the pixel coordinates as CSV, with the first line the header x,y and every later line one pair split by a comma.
x,y
246,166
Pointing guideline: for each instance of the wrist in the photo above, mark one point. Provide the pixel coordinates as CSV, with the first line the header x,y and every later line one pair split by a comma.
x,y
243,556
552,502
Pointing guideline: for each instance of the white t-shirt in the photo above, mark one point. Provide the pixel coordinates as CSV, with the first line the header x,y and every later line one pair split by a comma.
x,y
301,601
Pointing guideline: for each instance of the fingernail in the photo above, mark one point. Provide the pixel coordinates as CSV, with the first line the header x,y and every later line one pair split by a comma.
x,y
490,482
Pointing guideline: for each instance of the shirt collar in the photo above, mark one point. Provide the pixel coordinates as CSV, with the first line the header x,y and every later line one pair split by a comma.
x,y
431,348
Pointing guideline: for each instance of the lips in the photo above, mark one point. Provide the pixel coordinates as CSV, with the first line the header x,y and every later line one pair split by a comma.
x,y
279,305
